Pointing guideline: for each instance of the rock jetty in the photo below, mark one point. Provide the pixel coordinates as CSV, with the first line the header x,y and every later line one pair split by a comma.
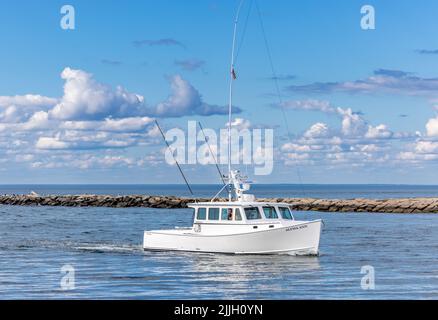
x,y
403,205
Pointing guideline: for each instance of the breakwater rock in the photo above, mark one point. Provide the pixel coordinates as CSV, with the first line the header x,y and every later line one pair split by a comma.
x,y
404,205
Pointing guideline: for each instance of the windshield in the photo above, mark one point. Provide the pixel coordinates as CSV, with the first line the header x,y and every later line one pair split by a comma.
x,y
252,213
285,213
270,213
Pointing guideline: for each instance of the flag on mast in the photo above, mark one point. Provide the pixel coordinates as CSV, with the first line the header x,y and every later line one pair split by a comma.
x,y
233,74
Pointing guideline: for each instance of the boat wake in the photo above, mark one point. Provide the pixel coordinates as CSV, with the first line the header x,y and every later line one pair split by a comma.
x,y
81,246
113,248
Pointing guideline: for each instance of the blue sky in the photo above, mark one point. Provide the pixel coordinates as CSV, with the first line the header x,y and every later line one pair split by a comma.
x,y
77,106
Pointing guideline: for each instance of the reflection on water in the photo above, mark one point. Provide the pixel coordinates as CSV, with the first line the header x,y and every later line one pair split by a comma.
x,y
235,273
104,247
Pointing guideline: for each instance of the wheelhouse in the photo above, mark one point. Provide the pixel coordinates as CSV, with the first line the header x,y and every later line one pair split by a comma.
x,y
241,213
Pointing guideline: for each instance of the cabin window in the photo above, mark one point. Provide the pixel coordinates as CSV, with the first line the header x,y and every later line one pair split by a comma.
x,y
252,213
285,213
213,214
224,214
237,214
201,214
270,213
227,214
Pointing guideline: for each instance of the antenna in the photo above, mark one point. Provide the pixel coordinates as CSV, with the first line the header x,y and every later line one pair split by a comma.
x,y
230,103
179,168
212,154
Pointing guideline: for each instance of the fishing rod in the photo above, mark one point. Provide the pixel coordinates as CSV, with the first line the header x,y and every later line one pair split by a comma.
x,y
179,167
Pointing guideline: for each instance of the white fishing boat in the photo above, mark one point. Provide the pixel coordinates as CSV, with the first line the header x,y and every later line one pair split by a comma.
x,y
240,225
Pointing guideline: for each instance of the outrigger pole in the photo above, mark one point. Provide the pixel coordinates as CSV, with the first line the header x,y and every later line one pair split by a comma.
x,y
212,154
179,168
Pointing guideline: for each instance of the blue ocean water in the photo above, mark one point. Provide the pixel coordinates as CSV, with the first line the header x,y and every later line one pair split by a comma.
x,y
103,246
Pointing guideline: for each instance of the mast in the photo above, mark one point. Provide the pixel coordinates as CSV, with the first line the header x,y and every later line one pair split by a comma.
x,y
230,102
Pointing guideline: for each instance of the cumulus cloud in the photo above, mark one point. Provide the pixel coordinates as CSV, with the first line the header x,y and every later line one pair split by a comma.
x,y
185,100
432,127
353,123
85,98
239,124
51,143
15,109
379,132
39,120
318,130
426,147
131,124
83,140
354,141
28,100
90,116
89,161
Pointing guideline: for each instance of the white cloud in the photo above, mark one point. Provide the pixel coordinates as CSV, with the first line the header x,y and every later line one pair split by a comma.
x,y
352,123
28,100
130,124
51,143
85,98
415,157
185,100
89,116
379,132
239,124
16,109
355,142
294,147
39,120
432,127
426,147
310,105
318,130
11,114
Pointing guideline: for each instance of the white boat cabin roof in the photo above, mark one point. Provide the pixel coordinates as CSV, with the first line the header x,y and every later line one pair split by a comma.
x,y
236,204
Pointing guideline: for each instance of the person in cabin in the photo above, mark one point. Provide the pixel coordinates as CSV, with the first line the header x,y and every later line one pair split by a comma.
x,y
230,214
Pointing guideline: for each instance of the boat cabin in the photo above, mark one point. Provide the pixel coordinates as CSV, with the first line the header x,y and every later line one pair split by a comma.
x,y
211,217
242,213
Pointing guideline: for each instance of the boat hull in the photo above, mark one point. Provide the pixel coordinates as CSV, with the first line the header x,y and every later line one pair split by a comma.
x,y
298,239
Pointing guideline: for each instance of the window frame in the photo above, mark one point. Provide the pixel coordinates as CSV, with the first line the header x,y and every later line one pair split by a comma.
x,y
260,217
289,210
238,211
218,213
271,207
205,213
226,215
